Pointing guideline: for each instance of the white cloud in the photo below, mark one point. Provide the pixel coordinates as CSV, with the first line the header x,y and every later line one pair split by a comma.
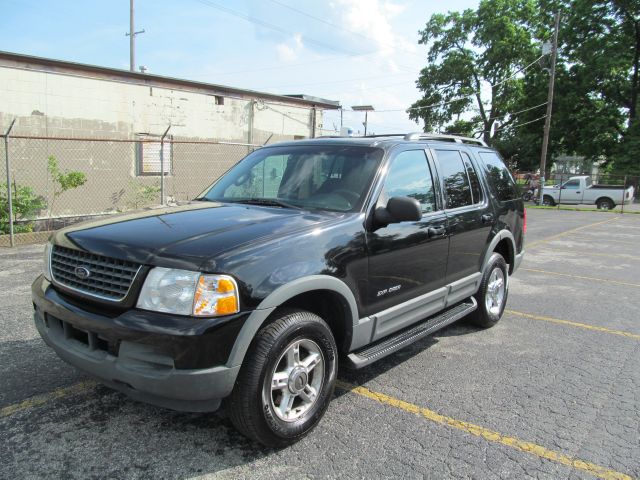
x,y
371,18
290,50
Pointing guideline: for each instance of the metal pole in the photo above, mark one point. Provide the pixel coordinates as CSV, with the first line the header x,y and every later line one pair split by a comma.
x,y
162,200
547,120
365,122
313,122
624,187
132,39
9,193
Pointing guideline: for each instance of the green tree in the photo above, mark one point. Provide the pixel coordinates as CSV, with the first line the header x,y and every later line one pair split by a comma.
x,y
474,58
597,84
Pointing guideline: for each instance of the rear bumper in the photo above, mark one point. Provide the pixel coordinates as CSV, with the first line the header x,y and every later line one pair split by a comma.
x,y
143,371
517,261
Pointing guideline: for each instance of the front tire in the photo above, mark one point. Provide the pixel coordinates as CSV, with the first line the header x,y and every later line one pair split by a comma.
x,y
286,380
548,201
492,294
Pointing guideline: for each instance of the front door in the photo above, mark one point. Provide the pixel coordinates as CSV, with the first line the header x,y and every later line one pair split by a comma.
x,y
571,192
406,259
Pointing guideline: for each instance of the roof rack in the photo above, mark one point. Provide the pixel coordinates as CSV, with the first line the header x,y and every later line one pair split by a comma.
x,y
444,137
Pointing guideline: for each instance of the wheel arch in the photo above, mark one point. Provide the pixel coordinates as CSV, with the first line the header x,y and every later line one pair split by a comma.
x,y
321,294
504,244
608,199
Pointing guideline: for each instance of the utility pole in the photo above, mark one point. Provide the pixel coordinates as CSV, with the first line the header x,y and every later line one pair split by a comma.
x,y
132,37
547,120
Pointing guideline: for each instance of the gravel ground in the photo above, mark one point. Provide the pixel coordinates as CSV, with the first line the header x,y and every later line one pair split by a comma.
x,y
572,390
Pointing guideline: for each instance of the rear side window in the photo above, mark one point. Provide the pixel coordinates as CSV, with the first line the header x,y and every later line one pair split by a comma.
x,y
473,178
499,178
457,187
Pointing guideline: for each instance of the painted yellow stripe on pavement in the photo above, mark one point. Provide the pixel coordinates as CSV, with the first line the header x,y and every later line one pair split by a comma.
x,y
46,398
567,232
586,253
581,277
489,435
621,333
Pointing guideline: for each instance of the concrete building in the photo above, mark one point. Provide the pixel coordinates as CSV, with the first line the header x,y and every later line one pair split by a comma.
x,y
56,99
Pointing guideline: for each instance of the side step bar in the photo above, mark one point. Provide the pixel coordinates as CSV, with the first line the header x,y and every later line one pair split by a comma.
x,y
392,343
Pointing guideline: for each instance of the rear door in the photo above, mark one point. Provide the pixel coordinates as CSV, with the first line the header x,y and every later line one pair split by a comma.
x,y
407,259
469,218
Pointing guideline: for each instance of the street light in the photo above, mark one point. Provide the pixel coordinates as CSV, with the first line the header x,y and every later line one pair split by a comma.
x,y
366,109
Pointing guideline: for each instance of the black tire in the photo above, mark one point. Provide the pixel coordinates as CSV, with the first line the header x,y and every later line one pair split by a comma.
x,y
548,200
251,406
483,316
605,204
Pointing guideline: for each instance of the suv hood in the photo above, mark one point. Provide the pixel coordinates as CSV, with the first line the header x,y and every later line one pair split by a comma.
x,y
187,235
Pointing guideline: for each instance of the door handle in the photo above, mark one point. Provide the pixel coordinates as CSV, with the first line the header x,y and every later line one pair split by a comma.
x,y
436,231
578,191
487,218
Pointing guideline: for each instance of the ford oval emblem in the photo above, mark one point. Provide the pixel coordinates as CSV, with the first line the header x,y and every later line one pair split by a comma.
x,y
82,272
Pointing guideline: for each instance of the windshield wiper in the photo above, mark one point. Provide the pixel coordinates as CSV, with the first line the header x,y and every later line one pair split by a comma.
x,y
268,202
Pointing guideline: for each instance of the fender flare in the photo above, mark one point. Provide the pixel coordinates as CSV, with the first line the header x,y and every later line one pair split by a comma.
x,y
279,296
501,235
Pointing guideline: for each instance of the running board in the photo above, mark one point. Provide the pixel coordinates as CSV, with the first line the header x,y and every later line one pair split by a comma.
x,y
386,346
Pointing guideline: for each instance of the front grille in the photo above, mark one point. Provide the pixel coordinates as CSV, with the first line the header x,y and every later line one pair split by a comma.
x,y
108,278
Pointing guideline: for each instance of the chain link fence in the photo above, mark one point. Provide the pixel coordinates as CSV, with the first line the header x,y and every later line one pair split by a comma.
x,y
56,182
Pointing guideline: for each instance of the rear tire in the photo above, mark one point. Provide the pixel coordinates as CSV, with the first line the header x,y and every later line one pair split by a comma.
x,y
605,204
286,380
492,294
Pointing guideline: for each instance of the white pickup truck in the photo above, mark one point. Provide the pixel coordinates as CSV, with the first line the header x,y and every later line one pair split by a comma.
x,y
581,190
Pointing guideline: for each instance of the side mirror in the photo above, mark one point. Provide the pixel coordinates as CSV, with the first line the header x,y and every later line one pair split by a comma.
x,y
399,209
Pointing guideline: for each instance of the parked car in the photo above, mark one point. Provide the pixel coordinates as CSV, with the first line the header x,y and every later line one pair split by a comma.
x,y
581,190
304,256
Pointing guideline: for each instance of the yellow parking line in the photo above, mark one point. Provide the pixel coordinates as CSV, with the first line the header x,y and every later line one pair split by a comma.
x,y
622,333
581,277
489,435
586,253
606,240
46,397
567,232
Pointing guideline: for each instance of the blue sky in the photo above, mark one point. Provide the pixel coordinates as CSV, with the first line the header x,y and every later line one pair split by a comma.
x,y
355,51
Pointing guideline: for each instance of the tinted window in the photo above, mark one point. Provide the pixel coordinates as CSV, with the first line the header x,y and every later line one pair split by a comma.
x,y
409,175
500,180
476,193
323,177
574,184
454,175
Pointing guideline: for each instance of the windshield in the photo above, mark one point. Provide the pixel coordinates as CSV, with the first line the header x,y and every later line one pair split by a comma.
x,y
326,177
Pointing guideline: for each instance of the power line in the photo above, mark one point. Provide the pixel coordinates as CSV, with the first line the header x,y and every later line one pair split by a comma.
x,y
340,81
441,104
333,25
271,26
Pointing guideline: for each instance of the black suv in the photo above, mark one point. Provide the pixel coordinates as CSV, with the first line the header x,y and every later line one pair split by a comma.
x,y
302,254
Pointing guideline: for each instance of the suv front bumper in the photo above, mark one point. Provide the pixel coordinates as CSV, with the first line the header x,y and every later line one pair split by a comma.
x,y
136,352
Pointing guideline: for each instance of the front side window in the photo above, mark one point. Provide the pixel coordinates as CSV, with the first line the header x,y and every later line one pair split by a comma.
x,y
327,177
457,187
572,184
410,176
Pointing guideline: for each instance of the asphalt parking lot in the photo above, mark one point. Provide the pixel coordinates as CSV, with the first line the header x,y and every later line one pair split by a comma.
x,y
553,391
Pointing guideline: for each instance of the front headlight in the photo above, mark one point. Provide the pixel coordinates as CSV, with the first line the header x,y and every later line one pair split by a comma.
x,y
46,268
184,292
